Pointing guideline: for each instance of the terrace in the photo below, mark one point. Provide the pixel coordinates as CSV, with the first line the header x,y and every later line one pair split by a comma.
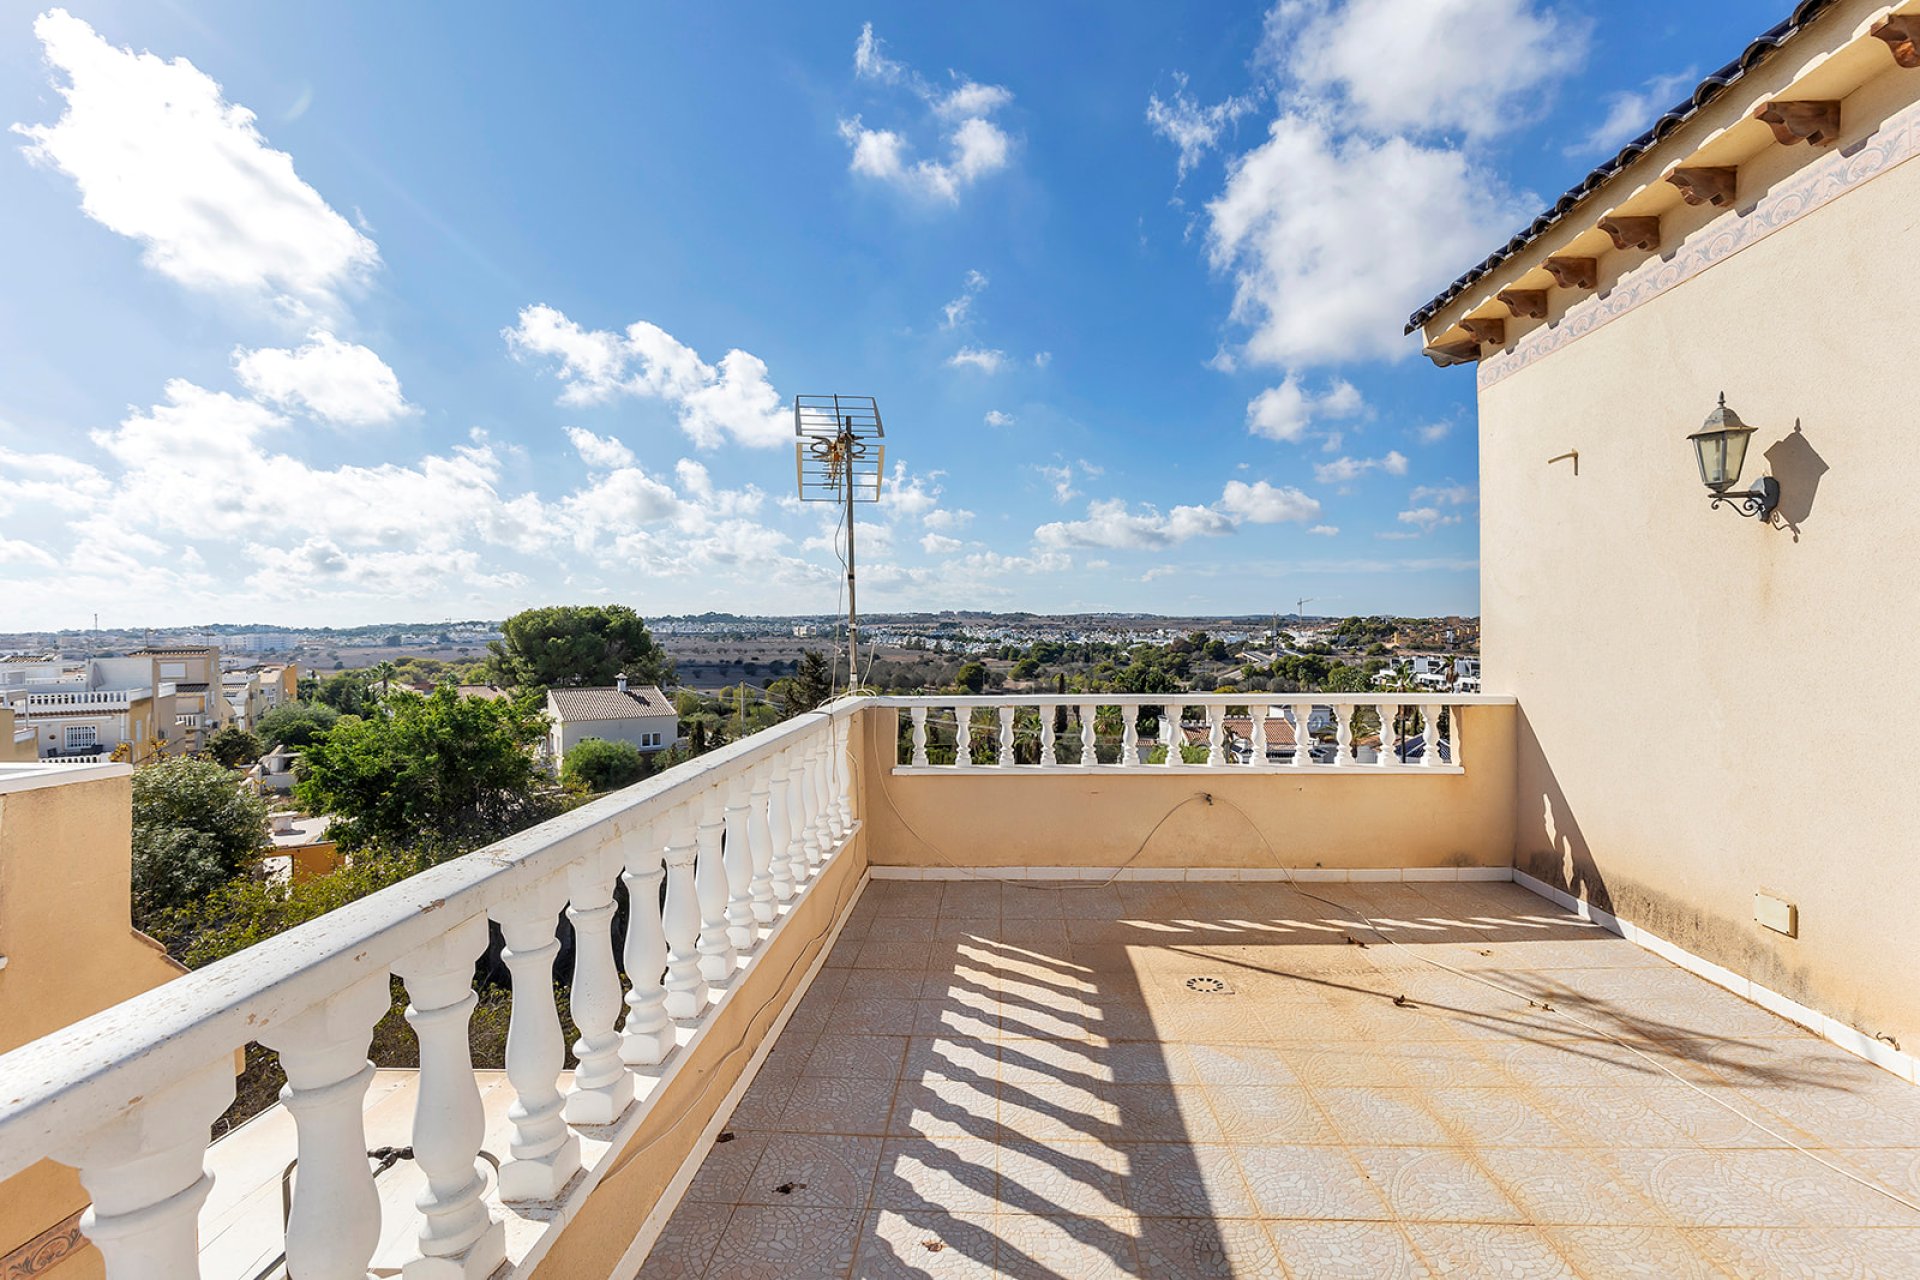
x,y
1013,999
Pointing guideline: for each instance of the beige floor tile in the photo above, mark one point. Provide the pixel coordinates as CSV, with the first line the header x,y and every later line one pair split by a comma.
x,y
777,1242
1044,1248
1635,1253
1269,1114
1435,1184
1206,1249
1052,1178
925,1244
957,1175
1346,1250
1480,1249
1309,1182
1380,1117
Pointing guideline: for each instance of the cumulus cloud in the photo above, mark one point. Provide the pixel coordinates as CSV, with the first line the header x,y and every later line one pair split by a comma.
x,y
338,382
1632,113
995,418
961,115
985,359
1263,503
947,519
602,452
1286,411
1325,530
1111,523
732,401
1427,519
1344,470
1449,494
939,544
1193,129
161,157
1469,67
1433,432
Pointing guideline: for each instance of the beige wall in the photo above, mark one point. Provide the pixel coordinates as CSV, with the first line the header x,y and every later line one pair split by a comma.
x,y
65,858
11,751
1366,820
1711,707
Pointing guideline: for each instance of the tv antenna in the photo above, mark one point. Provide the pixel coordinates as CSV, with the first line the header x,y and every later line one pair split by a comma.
x,y
839,457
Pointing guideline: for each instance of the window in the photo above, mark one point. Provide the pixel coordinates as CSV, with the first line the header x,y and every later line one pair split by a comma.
x,y
82,737
173,671
650,738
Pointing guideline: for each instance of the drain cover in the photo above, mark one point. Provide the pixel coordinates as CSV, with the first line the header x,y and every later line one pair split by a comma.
x,y
1209,986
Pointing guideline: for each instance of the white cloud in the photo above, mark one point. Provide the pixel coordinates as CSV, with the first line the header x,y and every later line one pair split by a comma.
x,y
956,311
1061,478
1325,530
1286,411
975,145
1632,113
995,418
947,519
1190,127
1425,66
1041,359
733,401
1332,240
1343,470
1433,432
1450,494
938,544
1426,519
1262,503
161,157
985,359
338,382
600,452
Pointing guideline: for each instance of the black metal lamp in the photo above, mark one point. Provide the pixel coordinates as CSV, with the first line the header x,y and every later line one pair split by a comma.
x,y
1720,447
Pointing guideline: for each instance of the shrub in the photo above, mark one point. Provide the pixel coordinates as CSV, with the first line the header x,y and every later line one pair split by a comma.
x,y
601,765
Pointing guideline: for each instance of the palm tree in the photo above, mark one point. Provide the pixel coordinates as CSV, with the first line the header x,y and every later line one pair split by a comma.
x,y
383,672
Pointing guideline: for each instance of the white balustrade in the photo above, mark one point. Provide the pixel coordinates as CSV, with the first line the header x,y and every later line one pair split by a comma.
x,y
1343,734
1006,737
602,1087
717,958
1302,714
334,1225
1216,735
827,827
1389,735
146,1172
1429,737
647,1035
779,830
742,931
812,779
458,1238
1047,756
1171,734
545,1153
1257,736
963,735
686,988
1130,736
920,737
1089,727
803,849
760,847
844,774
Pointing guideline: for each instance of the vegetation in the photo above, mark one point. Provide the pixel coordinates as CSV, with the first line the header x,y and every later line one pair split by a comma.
x,y
434,771
232,747
297,724
194,829
577,645
598,764
810,685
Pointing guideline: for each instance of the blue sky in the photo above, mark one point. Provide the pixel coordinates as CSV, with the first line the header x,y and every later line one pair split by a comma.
x,y
335,314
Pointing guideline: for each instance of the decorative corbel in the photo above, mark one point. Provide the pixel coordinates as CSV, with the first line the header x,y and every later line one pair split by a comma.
x,y
1447,354
1901,31
1712,184
1574,273
1491,329
1816,122
1632,233
1525,304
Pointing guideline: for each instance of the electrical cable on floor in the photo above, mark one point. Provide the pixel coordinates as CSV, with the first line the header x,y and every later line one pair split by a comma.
x,y
1368,923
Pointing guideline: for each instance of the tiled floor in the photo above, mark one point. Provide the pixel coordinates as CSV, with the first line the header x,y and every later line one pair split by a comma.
x,y
1001,1080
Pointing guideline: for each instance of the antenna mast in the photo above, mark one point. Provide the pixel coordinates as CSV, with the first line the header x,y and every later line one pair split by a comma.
x,y
839,458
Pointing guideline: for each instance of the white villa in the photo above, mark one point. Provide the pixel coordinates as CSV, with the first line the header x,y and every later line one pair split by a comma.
x,y
639,714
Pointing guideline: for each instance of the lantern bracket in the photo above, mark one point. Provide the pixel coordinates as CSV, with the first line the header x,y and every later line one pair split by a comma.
x,y
1759,501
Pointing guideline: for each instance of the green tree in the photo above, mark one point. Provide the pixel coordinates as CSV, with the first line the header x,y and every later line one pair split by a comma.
x,y
437,770
232,747
577,645
194,829
348,692
599,764
297,724
972,677
810,685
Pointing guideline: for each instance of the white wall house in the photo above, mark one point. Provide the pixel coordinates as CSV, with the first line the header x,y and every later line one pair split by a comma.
x,y
639,714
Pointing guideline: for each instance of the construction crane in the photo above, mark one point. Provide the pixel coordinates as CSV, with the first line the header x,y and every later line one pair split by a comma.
x,y
1300,607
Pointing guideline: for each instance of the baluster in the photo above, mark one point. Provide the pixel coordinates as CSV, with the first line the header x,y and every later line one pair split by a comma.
x,y
1429,730
1216,735
146,1171
919,737
738,858
1048,757
779,830
717,958
545,1153
810,834
1171,732
335,1222
1302,735
963,736
1006,736
686,989
1256,736
1389,748
601,1086
647,1037
1129,736
760,849
1089,732
458,1238
796,818
1454,757
828,823
1343,733
843,789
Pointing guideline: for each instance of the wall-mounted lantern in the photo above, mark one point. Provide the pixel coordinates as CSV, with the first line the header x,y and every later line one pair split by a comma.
x,y
1720,446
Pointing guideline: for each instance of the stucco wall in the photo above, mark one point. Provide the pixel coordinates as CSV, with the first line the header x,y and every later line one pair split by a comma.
x,y
1710,707
1369,819
568,734
64,903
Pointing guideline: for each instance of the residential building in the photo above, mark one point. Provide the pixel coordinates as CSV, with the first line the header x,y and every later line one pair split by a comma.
x,y
16,743
1609,980
639,714
84,713
201,707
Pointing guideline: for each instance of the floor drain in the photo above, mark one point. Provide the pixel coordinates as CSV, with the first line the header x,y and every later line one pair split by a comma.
x,y
1209,986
